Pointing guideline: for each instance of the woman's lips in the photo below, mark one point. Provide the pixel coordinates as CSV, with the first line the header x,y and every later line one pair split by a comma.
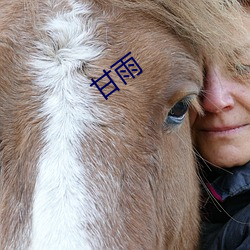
x,y
225,130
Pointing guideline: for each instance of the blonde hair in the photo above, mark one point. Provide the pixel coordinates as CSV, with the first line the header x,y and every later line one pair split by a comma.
x,y
208,25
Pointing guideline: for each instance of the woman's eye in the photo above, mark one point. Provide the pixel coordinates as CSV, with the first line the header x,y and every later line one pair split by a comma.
x,y
242,69
177,113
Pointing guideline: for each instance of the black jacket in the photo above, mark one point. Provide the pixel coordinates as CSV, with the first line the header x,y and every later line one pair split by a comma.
x,y
226,211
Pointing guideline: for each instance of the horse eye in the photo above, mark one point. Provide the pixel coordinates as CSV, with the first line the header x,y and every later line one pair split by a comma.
x,y
178,112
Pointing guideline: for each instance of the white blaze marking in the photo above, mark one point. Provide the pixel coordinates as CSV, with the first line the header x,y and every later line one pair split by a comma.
x,y
61,203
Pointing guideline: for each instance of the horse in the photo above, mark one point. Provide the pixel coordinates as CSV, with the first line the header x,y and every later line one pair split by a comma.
x,y
95,149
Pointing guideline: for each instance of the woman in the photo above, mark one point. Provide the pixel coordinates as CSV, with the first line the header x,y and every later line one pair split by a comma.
x,y
222,139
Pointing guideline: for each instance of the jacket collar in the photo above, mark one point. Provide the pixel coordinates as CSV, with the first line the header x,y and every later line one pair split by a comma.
x,y
229,183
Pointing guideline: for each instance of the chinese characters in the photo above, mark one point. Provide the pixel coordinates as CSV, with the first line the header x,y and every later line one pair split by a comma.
x,y
124,68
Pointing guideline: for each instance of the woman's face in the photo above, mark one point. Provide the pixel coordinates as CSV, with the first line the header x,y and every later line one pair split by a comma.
x,y
222,136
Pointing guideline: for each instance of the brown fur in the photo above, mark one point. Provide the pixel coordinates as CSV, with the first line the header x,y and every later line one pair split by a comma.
x,y
143,171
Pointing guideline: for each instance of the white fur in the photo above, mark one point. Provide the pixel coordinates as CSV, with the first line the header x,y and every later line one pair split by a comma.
x,y
62,206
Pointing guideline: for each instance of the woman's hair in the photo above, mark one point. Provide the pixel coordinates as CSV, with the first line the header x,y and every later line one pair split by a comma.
x,y
244,2
209,25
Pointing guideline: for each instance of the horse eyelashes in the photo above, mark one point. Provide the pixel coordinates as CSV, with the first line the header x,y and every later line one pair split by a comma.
x,y
177,113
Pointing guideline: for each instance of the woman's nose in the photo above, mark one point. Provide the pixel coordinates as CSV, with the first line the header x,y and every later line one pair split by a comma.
x,y
217,93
